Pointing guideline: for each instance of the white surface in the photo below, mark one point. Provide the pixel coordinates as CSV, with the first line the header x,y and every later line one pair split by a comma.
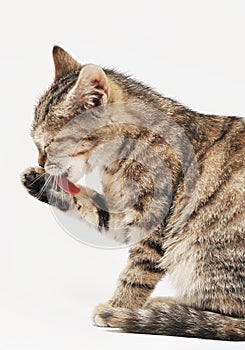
x,y
189,50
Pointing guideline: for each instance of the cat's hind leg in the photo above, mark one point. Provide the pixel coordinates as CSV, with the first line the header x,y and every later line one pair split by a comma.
x,y
154,302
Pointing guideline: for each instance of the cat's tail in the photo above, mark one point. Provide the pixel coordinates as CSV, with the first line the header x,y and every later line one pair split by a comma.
x,y
170,318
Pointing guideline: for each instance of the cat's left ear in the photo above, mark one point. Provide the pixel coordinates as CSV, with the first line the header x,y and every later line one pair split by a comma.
x,y
91,88
64,64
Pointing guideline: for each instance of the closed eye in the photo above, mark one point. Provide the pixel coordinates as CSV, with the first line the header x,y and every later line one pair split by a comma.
x,y
47,145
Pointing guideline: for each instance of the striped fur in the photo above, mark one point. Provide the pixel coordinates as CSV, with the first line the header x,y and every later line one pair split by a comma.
x,y
193,230
171,318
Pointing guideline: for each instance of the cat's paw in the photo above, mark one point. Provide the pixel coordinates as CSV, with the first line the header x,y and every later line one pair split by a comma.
x,y
106,315
33,180
41,186
97,318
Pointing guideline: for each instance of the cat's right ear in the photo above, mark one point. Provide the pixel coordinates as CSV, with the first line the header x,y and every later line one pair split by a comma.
x,y
91,88
63,63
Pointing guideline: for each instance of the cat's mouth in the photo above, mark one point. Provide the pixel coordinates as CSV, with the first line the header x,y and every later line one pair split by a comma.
x,y
66,185
63,179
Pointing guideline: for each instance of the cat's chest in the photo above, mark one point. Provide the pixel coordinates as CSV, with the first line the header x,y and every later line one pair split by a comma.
x,y
181,263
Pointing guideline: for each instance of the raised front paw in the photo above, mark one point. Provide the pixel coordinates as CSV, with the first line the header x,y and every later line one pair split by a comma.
x,y
34,181
44,187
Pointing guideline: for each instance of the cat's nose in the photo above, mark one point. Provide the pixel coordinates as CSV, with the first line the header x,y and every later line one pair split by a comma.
x,y
42,159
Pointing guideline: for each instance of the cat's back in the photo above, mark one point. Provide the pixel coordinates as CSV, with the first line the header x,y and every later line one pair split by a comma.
x,y
238,138
222,165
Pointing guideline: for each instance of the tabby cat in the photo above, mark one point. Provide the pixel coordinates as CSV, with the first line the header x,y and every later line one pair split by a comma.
x,y
173,188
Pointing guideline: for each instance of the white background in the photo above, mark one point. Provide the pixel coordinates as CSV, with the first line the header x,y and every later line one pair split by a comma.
x,y
189,50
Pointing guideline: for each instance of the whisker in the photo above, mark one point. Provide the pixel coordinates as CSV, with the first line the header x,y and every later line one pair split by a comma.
x,y
62,192
52,190
55,188
42,190
44,186
37,178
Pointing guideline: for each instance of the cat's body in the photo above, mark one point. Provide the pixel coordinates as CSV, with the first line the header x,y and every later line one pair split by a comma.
x,y
173,184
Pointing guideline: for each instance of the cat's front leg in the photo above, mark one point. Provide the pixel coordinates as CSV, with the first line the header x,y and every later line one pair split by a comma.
x,y
138,280
88,204
142,273
91,207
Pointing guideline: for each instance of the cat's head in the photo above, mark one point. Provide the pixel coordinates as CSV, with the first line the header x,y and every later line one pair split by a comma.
x,y
76,89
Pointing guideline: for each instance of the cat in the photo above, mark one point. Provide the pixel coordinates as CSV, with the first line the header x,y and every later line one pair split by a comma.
x,y
173,187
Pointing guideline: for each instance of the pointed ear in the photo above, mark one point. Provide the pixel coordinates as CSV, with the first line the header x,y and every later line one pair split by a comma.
x,y
91,88
63,63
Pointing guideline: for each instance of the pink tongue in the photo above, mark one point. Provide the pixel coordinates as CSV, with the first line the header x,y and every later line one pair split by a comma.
x,y
67,185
